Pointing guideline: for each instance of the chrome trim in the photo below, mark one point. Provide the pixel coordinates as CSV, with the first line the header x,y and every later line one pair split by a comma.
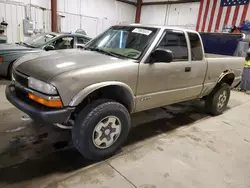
x,y
47,97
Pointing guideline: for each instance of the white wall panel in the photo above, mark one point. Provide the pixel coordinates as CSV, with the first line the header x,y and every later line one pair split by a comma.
x,y
178,15
41,3
14,22
99,14
72,6
183,15
125,13
90,25
14,13
61,5
47,18
93,16
153,14
8,18
2,11
70,23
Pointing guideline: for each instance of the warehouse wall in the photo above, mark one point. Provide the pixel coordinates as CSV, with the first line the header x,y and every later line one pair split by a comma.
x,y
177,15
13,12
94,16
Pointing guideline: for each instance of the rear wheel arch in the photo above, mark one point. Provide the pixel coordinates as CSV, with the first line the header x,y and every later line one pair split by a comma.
x,y
116,91
226,77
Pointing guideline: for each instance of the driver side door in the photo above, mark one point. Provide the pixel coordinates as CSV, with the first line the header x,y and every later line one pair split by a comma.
x,y
163,83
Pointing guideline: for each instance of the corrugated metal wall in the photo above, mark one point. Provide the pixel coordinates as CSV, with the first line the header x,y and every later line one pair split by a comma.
x,y
93,16
177,15
13,13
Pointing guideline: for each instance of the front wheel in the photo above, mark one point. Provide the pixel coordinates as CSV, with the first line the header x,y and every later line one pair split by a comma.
x,y
100,129
216,102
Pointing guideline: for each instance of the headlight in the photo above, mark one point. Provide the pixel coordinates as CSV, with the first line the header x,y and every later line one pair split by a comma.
x,y
41,86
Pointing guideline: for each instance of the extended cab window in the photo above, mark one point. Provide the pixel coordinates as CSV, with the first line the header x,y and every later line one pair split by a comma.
x,y
176,42
196,47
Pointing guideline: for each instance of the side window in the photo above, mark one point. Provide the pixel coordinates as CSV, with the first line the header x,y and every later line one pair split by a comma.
x,y
63,43
196,47
176,42
82,40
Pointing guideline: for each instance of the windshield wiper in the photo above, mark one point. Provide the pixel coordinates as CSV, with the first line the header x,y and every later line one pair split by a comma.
x,y
103,51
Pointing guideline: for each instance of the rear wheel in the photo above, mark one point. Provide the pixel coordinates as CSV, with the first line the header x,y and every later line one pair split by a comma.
x,y
216,102
100,129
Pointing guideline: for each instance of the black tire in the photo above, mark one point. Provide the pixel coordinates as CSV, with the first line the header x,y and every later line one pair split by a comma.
x,y
212,100
86,122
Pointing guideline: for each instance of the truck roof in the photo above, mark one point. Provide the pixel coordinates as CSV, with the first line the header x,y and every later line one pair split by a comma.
x,y
162,27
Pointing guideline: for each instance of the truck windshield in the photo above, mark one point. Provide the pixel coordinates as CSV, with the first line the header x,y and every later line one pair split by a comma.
x,y
123,41
39,40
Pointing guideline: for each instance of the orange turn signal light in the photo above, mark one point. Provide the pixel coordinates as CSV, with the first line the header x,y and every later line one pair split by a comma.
x,y
1,59
45,102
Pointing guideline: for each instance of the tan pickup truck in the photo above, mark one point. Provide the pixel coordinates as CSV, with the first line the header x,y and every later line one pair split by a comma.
x,y
126,69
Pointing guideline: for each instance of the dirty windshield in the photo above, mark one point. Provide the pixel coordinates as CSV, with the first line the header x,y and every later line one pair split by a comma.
x,y
39,40
123,41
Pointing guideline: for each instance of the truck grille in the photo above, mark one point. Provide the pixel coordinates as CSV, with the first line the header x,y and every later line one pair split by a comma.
x,y
20,78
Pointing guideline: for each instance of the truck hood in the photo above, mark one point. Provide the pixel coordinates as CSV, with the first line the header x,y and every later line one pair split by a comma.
x,y
6,49
46,65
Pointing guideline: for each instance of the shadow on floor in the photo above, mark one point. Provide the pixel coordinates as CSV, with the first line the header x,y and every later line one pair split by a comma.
x,y
4,81
68,159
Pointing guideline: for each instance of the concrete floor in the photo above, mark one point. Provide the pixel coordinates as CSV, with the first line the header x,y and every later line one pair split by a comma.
x,y
179,146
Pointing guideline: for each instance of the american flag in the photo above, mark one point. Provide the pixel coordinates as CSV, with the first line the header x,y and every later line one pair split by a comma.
x,y
214,15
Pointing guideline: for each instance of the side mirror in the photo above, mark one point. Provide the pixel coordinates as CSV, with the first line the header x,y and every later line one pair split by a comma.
x,y
49,47
162,55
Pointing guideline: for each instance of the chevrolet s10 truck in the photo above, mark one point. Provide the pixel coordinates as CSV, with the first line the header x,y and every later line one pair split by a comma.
x,y
126,69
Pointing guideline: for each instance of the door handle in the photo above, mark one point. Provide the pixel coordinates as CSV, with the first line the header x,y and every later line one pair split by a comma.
x,y
187,69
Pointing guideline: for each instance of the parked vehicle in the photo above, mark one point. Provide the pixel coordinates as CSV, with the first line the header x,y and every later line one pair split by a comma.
x,y
46,41
127,69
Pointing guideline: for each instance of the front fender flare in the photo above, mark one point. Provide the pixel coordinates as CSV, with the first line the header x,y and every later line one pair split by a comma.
x,y
81,95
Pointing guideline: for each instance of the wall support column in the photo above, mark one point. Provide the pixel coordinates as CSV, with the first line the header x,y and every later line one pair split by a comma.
x,y
54,15
138,11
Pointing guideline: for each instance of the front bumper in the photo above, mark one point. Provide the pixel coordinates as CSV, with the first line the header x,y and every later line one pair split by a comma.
x,y
37,111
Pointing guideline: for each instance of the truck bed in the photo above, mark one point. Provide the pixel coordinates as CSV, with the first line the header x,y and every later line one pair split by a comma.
x,y
207,55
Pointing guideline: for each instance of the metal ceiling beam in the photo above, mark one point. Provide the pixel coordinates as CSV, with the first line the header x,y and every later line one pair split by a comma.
x,y
138,11
169,2
54,15
127,2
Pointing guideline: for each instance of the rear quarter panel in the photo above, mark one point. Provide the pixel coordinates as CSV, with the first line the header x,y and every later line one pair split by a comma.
x,y
217,66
